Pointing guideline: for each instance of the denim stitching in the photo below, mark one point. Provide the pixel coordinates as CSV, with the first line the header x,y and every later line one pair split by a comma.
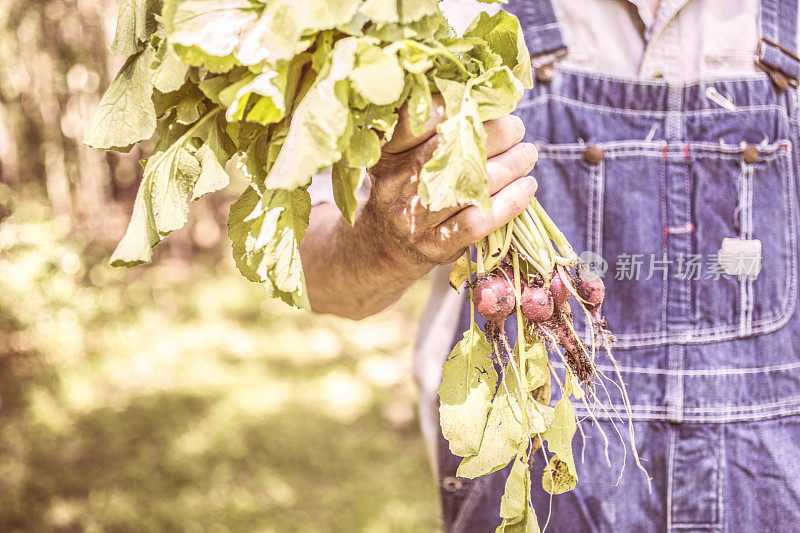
x,y
718,409
723,467
601,191
590,224
614,149
671,154
791,230
661,414
648,112
688,192
597,238
590,215
674,387
746,303
674,126
631,80
644,153
663,167
670,469
749,279
792,410
700,373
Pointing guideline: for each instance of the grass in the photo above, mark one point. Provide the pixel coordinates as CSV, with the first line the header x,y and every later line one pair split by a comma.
x,y
178,398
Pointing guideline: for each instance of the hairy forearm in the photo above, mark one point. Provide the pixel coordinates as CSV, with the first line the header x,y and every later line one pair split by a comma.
x,y
351,271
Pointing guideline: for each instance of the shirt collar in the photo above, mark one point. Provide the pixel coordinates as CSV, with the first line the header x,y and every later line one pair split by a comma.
x,y
655,23
667,9
645,13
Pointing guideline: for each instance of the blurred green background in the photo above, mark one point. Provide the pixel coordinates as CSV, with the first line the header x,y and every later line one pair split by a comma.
x,y
172,397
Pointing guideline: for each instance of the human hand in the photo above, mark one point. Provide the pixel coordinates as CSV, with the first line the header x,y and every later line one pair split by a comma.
x,y
418,239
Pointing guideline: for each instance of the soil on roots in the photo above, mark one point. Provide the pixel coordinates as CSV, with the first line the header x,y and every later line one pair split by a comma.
x,y
580,366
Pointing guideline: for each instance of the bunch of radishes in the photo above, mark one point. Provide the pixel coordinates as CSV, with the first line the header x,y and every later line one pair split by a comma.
x,y
529,267
498,396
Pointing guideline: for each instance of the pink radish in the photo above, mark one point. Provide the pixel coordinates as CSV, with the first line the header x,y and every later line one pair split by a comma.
x,y
536,304
559,289
590,288
494,297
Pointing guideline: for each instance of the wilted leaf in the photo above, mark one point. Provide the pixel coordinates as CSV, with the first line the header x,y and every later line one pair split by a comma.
x,y
558,478
559,441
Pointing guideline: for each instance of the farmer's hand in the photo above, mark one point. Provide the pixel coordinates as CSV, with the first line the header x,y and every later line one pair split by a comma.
x,y
355,271
420,239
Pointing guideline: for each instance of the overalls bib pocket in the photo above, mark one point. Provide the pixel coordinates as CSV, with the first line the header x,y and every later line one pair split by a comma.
x,y
743,194
652,217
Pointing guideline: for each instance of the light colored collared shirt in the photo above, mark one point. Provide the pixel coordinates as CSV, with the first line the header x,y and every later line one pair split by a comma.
x,y
683,40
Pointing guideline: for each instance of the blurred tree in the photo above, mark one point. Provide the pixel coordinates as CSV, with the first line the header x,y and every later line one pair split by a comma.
x,y
54,66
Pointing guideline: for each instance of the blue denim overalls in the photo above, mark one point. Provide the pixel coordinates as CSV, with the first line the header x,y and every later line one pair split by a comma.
x,y
657,174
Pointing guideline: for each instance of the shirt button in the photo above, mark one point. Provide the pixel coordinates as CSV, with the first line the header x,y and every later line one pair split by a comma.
x,y
658,74
545,73
750,154
593,154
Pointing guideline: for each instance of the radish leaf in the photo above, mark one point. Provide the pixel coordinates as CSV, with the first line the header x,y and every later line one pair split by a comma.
x,y
505,432
126,114
465,394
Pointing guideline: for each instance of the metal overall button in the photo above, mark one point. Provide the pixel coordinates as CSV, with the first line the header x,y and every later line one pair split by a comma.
x,y
451,484
593,154
545,73
750,154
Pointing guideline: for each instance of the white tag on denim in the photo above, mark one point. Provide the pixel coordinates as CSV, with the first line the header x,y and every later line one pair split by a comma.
x,y
739,257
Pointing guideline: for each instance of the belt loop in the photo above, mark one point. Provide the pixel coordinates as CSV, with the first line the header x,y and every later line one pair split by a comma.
x,y
777,48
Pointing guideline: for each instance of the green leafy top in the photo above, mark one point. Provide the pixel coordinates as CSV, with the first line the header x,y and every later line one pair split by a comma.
x,y
290,88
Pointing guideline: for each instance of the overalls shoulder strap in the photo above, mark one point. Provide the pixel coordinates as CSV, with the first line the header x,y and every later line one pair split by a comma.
x,y
542,31
777,49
